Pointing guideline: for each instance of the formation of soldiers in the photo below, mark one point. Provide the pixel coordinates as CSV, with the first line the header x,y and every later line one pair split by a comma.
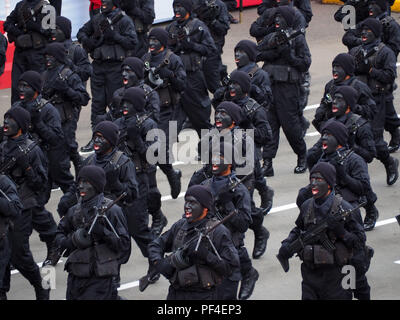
x,y
142,78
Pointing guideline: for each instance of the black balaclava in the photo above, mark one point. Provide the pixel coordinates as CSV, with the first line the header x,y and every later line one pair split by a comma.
x,y
197,198
338,131
239,86
133,102
132,71
22,119
346,61
376,29
63,29
376,7
222,156
181,9
107,6
55,55
288,14
158,38
245,52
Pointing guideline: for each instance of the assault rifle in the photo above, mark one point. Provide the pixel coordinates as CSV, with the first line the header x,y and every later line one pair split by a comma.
x,y
284,36
141,119
316,234
26,13
177,256
10,163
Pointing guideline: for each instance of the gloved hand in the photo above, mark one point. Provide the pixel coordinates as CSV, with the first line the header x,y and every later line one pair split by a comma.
x,y
199,256
284,251
23,161
165,73
337,226
187,44
35,116
89,44
67,243
81,239
60,85
165,268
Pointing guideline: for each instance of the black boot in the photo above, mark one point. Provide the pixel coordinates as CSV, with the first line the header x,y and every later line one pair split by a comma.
x,y
77,161
248,283
268,170
159,221
371,215
394,143
267,195
41,293
260,242
392,170
53,254
301,164
174,179
3,295
89,147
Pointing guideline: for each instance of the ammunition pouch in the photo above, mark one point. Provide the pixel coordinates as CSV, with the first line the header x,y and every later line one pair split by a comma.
x,y
65,109
106,264
192,61
342,254
283,73
168,97
78,263
317,255
30,40
109,52
198,275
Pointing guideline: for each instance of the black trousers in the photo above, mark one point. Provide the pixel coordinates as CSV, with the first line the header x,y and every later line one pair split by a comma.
x,y
285,114
227,290
105,80
212,71
392,120
5,254
143,44
93,288
43,223
154,195
21,255
25,60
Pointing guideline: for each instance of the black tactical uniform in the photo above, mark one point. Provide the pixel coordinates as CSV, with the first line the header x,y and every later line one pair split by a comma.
x,y
365,104
191,40
285,65
109,37
195,273
10,210
24,162
3,51
321,269
304,7
93,260
24,28
143,15
216,17
378,71
65,90
361,8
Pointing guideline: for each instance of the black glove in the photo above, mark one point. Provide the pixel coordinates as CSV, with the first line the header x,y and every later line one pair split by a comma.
x,y
187,44
89,44
109,34
23,162
67,244
165,268
35,116
165,73
60,85
284,252
199,256
337,226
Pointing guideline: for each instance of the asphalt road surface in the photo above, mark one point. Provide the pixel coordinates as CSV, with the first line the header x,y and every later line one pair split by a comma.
x,y
324,39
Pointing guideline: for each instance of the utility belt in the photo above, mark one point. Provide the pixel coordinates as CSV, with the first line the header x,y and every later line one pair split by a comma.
x,y
99,260
140,166
31,40
66,109
110,53
196,276
376,87
283,73
315,256
168,96
192,61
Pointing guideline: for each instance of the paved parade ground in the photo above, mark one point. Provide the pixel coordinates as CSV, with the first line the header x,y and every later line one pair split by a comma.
x,y
324,39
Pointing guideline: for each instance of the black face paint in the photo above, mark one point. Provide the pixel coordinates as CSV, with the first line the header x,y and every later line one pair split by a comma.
x,y
193,209
10,127
338,74
179,12
129,77
86,190
57,35
101,145
329,143
128,110
367,36
280,23
106,6
154,45
235,91
339,105
374,10
218,165
319,186
222,119
26,92
51,62
241,58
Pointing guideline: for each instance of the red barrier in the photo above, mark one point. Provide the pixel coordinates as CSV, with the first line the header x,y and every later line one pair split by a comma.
x,y
248,3
5,79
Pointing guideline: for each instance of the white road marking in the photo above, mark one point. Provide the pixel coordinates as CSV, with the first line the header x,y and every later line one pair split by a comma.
x,y
39,265
398,262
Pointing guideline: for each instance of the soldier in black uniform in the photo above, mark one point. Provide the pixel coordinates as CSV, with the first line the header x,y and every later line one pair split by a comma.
x,y
93,259
65,90
109,37
190,39
376,66
195,269
10,210
285,64
29,173
216,17
77,57
343,68
361,141
143,15
3,51
24,28
321,269
304,7
361,10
